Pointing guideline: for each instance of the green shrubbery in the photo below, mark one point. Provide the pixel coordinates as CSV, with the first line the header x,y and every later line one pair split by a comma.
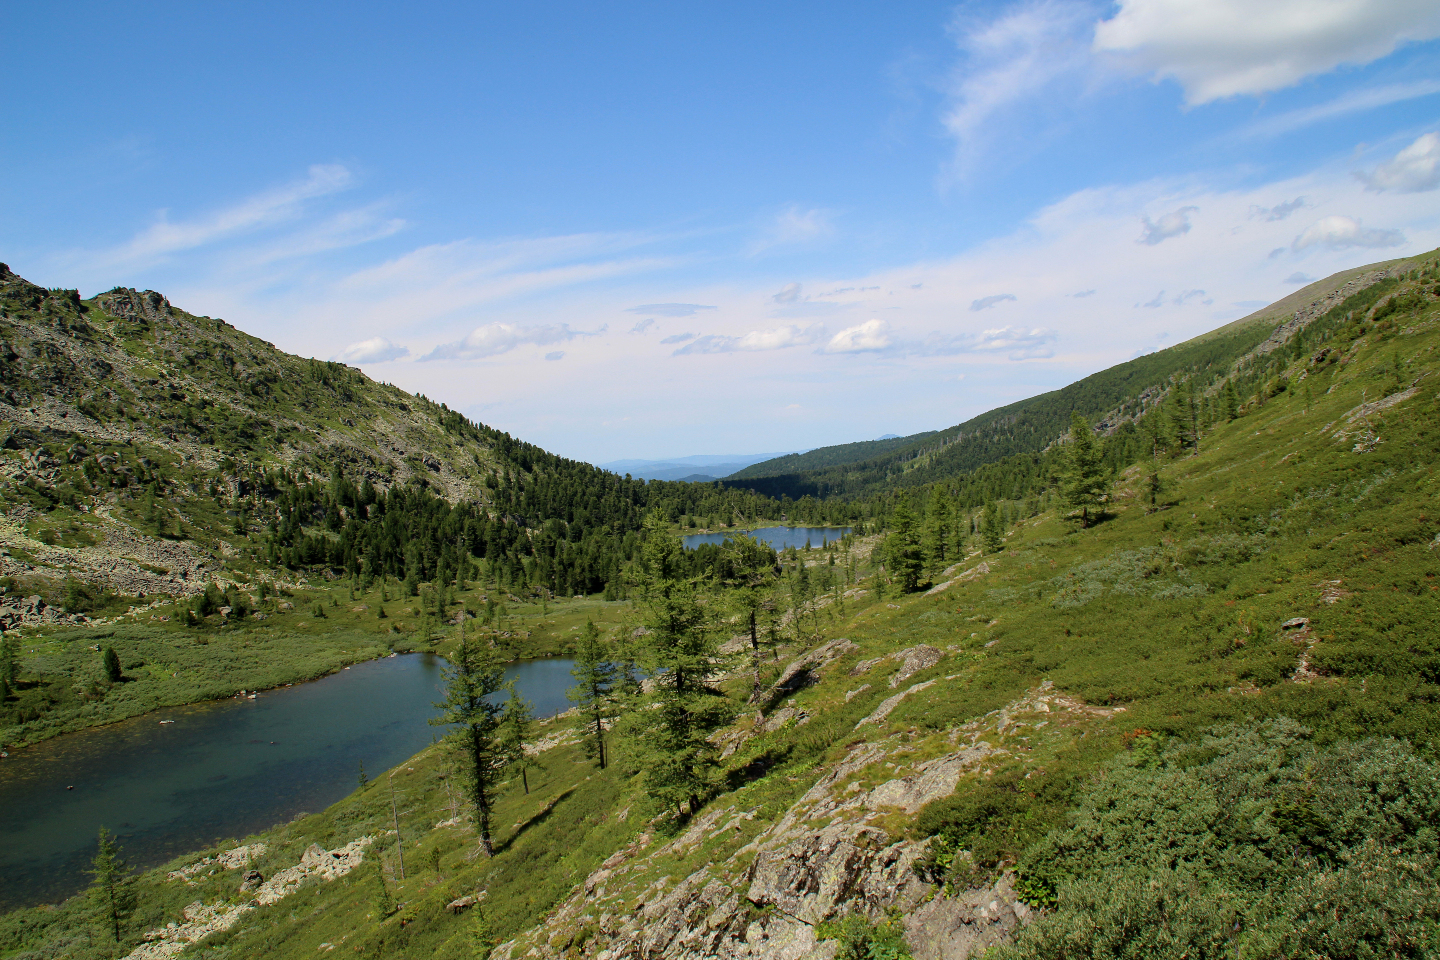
x,y
1255,842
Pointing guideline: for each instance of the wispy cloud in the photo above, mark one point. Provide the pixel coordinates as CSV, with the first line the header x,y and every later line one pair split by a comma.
x,y
788,293
1278,212
493,339
668,309
791,335
643,325
985,303
166,237
1355,101
1009,60
677,338
794,225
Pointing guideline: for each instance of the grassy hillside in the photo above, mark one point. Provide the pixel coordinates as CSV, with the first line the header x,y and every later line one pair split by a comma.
x,y
967,763
1030,426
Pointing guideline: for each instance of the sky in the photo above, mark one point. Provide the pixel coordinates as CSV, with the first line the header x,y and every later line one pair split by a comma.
x,y
650,230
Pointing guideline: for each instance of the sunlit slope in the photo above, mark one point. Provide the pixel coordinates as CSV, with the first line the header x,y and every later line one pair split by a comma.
x,y
1029,426
1288,568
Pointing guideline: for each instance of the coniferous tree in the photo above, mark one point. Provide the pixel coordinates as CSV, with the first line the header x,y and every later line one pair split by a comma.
x,y
111,894
111,663
9,669
1085,483
902,549
991,531
937,544
1229,401
595,674
515,722
680,652
474,674
749,575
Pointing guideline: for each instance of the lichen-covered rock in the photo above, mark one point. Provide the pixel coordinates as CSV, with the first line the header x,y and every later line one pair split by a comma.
x,y
956,928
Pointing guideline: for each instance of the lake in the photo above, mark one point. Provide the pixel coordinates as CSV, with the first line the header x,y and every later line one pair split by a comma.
x,y
777,537
219,770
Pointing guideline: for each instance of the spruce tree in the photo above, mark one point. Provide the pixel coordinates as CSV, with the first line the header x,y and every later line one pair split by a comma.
x,y
937,543
474,674
111,894
595,673
1229,402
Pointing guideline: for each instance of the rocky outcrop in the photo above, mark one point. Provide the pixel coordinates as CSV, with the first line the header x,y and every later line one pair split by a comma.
x,y
199,920
964,926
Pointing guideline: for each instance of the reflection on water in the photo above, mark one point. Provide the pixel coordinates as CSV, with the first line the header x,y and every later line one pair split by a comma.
x,y
218,770
777,537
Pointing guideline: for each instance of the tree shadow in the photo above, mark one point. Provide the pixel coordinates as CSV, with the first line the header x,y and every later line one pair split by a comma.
x,y
539,817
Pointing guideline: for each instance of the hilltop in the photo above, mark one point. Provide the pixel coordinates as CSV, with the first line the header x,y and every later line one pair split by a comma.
x,y
1240,653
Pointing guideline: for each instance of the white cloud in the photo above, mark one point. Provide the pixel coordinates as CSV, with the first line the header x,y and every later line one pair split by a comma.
x,y
669,309
1223,48
1013,58
1020,343
374,350
493,339
1412,170
788,293
271,206
791,335
1278,212
985,303
1172,224
1296,277
1338,233
868,336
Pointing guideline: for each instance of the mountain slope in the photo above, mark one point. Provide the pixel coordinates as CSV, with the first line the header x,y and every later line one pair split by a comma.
x,y
1220,660
1029,426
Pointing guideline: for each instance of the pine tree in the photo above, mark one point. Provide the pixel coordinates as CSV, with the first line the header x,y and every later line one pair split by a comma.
x,y
474,674
515,722
111,893
1084,483
595,673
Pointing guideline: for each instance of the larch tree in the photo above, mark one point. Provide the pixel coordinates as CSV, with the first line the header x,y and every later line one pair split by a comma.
x,y
902,549
1085,483
679,652
595,674
111,894
749,575
516,719
473,676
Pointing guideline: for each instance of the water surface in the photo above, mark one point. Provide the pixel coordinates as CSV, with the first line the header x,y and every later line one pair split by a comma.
x,y
222,769
777,537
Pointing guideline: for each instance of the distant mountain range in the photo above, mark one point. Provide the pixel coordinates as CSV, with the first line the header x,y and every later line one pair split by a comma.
x,y
697,469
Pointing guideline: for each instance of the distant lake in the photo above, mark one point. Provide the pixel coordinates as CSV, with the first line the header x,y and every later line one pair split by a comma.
x,y
222,769
777,537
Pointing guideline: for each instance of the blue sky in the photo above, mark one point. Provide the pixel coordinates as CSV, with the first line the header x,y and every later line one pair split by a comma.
x,y
669,229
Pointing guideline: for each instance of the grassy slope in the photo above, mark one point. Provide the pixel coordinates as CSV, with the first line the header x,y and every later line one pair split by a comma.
x,y
1026,426
1174,615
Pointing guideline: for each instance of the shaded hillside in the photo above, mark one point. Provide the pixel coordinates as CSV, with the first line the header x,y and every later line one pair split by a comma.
x,y
1030,426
